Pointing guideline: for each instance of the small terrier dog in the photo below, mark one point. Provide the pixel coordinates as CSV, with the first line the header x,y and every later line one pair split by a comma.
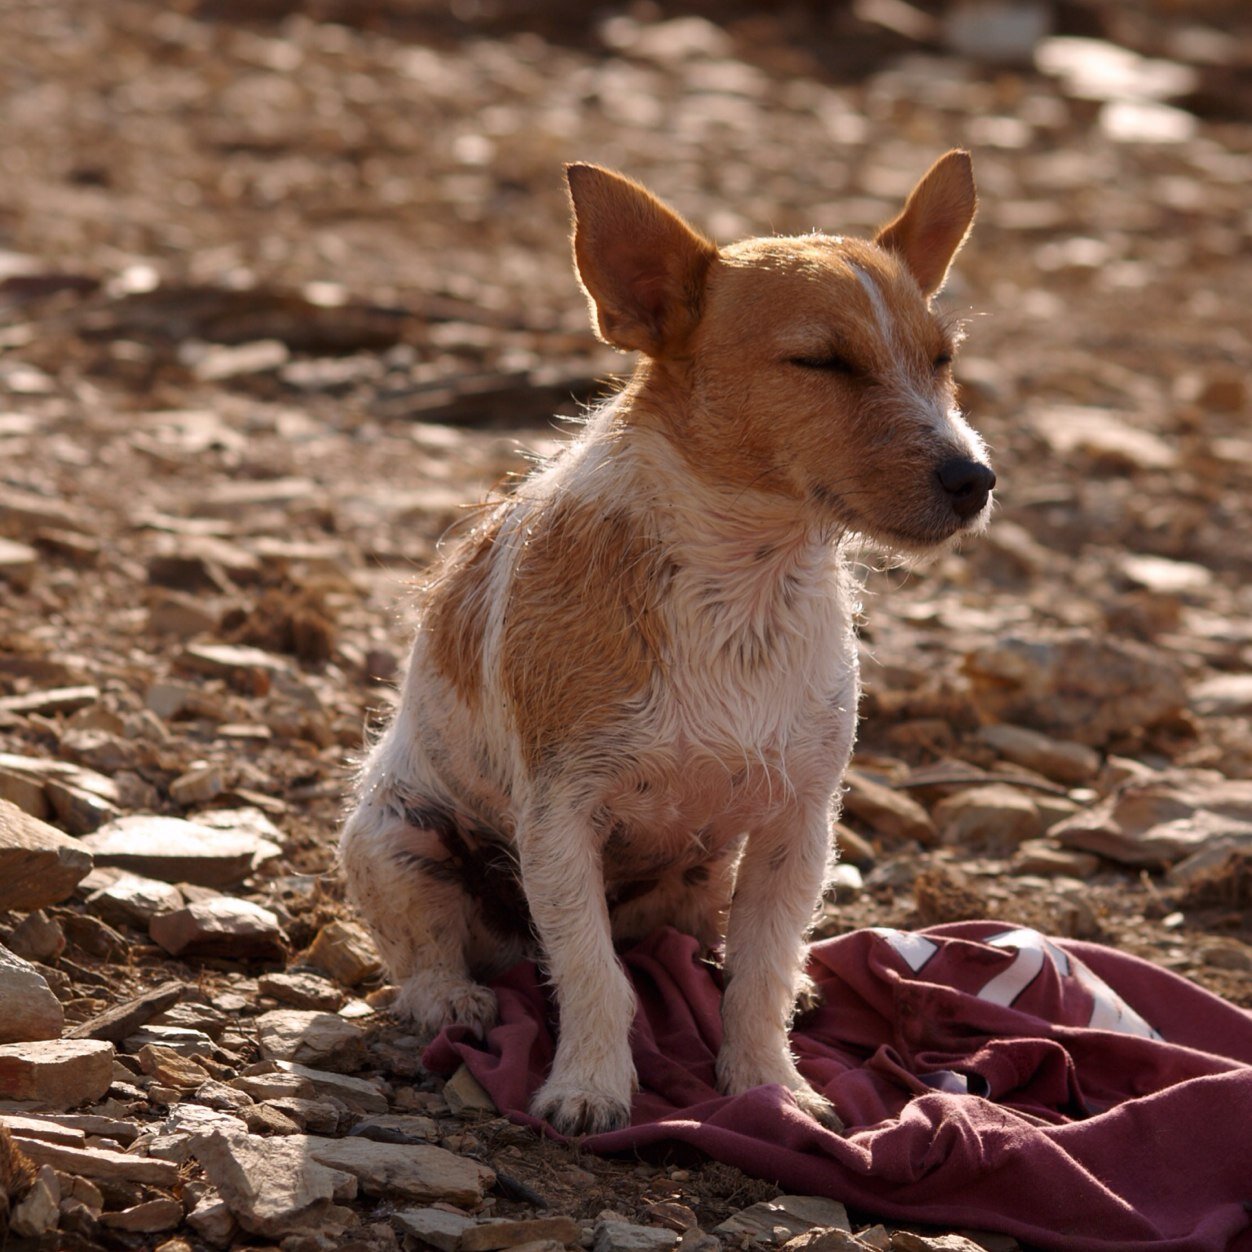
x,y
633,690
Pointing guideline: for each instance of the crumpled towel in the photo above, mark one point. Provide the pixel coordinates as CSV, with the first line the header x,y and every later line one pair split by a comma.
x,y
1064,1093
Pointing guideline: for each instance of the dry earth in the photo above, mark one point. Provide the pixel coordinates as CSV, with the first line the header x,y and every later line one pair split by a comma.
x,y
283,286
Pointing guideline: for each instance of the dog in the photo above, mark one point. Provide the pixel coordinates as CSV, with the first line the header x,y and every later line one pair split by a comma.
x,y
633,689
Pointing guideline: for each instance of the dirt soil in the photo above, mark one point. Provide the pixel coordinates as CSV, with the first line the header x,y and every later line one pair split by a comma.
x,y
284,287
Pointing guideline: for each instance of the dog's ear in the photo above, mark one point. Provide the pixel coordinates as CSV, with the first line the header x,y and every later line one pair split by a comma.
x,y
641,265
935,220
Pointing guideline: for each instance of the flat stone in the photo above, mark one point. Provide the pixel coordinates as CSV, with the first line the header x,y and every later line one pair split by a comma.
x,y
437,1227
826,1241
1075,684
1224,695
273,1187
39,865
318,1117
186,1041
37,937
907,1241
198,785
783,1218
302,990
1043,856
95,1124
31,1011
150,1217
43,1128
356,1093
397,1128
310,1038
1063,760
39,1210
246,820
1159,822
18,563
56,1073
213,1221
887,811
132,900
997,814
411,1171
122,1020
345,951
222,927
611,1236
491,1236
176,851
51,703
170,1069
101,1163
465,1094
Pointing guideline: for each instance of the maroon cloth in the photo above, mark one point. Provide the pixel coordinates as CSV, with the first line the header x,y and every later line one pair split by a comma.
x,y
1061,1092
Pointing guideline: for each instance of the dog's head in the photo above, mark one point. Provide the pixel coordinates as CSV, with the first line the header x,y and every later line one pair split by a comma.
x,y
813,366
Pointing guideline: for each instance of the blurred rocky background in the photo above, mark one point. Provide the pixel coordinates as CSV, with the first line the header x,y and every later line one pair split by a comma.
x,y
284,286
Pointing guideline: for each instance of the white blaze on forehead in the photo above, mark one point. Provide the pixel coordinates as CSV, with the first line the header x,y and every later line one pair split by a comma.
x,y
882,315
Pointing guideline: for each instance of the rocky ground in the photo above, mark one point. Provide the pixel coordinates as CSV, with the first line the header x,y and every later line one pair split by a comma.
x,y
283,286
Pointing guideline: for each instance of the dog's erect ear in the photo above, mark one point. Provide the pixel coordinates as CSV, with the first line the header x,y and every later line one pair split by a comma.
x,y
641,265
935,220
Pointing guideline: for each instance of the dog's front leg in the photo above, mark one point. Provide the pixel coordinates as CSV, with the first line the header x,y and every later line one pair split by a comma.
x,y
780,882
593,1076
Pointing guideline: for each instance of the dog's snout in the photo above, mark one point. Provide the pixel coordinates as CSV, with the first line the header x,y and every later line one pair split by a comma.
x,y
968,484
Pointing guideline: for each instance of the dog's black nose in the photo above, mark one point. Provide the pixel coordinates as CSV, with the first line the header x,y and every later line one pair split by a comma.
x,y
968,484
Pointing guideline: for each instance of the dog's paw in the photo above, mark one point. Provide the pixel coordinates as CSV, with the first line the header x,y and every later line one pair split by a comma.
x,y
574,1110
433,1004
734,1079
818,1108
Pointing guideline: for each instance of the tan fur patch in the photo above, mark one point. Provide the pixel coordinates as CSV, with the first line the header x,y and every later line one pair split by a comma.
x,y
582,633
455,613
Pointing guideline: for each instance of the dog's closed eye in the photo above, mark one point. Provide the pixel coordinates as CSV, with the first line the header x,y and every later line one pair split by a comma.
x,y
831,362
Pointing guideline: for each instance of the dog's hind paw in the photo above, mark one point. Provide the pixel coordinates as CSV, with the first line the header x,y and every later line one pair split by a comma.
x,y
433,1004
578,1111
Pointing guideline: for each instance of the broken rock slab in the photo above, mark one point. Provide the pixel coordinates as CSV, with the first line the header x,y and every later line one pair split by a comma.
x,y
997,814
1159,822
311,1038
120,1021
1075,684
437,1227
56,1073
302,989
498,1235
345,951
397,1128
356,1093
39,1209
126,899
39,865
30,1010
177,851
781,1219
100,1163
1063,760
411,1171
613,1236
273,1186
887,811
222,927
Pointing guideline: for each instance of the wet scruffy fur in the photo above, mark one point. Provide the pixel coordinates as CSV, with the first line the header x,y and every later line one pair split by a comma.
x,y
633,690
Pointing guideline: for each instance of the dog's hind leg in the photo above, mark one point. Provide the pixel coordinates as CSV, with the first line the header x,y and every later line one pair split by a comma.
x,y
410,888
